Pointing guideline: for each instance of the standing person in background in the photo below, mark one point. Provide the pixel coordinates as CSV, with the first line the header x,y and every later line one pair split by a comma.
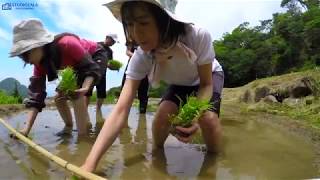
x,y
144,84
48,53
175,51
103,55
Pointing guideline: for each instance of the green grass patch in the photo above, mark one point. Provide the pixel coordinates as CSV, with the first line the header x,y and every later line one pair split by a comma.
x,y
150,108
308,114
6,99
110,99
306,111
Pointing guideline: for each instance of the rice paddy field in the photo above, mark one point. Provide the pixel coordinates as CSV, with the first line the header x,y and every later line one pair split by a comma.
x,y
252,150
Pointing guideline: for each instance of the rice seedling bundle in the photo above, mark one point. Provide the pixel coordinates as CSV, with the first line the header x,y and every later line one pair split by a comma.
x,y
114,64
68,81
190,112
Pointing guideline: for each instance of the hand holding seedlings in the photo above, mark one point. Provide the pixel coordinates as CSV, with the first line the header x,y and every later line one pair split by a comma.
x,y
68,82
190,112
185,122
184,134
81,91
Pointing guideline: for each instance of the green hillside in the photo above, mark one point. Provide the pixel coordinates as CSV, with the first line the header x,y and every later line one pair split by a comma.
x,y
304,109
9,85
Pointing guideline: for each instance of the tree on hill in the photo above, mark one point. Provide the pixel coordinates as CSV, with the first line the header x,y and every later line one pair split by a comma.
x,y
16,93
287,42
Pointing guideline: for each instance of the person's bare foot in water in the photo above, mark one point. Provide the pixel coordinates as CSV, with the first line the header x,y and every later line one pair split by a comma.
x,y
24,132
66,131
87,168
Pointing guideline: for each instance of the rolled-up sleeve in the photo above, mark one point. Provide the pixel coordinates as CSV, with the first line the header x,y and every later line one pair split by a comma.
x,y
87,67
36,93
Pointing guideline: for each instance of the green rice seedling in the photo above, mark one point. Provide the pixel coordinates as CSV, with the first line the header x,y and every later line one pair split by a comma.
x,y
190,112
74,177
114,64
68,81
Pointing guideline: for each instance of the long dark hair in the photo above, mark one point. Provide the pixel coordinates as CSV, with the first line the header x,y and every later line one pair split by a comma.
x,y
169,29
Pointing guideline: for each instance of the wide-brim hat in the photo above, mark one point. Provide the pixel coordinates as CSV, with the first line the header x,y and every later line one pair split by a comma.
x,y
29,34
167,5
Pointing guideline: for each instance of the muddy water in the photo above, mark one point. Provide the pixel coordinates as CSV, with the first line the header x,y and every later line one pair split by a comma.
x,y
252,150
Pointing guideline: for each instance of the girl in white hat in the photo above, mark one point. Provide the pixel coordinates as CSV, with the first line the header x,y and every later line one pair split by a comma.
x,y
48,53
171,50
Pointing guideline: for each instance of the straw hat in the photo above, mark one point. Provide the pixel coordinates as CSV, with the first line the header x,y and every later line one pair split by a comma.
x,y
29,34
167,5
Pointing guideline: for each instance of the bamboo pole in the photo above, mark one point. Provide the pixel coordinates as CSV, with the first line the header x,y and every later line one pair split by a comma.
x,y
61,162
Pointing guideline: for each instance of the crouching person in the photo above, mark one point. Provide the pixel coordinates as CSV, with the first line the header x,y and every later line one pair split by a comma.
x,y
48,54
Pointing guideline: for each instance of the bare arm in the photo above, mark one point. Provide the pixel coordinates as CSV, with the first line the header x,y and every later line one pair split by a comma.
x,y
32,115
35,101
85,85
129,53
205,74
113,124
87,82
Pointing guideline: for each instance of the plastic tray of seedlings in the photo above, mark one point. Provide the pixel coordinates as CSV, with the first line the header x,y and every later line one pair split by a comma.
x,y
114,65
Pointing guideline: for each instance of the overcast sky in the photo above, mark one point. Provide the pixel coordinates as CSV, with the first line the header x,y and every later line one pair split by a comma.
x,y
89,19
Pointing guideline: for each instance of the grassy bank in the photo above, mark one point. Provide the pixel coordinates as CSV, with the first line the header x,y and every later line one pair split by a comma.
x,y
304,110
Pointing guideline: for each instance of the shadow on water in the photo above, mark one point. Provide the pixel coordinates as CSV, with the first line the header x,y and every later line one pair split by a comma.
x,y
252,150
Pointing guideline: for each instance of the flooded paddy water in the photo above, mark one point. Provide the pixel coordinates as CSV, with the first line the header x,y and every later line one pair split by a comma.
x,y
252,150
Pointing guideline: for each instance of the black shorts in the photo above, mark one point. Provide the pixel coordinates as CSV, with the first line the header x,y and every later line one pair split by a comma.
x,y
175,91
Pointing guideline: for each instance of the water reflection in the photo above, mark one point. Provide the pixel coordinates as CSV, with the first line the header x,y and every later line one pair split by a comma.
x,y
251,151
12,161
175,160
134,147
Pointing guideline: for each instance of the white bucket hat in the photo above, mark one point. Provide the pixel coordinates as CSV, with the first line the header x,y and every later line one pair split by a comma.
x,y
113,36
29,34
167,5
